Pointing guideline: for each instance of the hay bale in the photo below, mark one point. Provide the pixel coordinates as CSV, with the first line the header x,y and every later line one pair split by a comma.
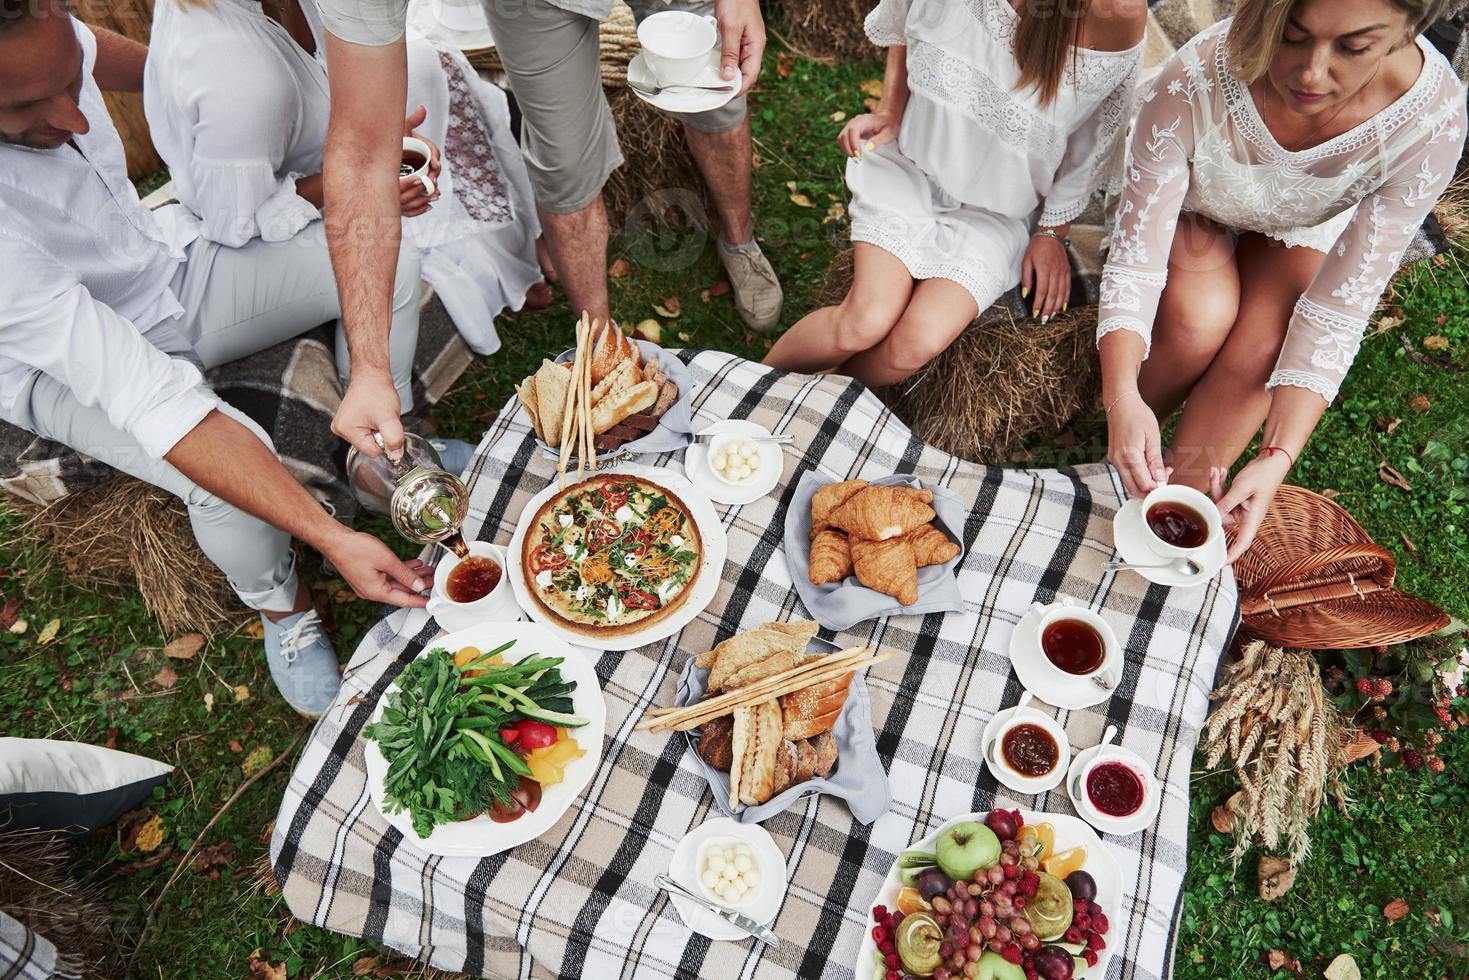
x,y
37,890
130,535
826,30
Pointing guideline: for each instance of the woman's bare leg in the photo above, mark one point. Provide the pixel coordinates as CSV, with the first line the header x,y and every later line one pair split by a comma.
x,y
824,338
1198,307
1229,403
938,312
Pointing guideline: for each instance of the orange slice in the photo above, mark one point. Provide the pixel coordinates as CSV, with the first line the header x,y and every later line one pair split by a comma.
x,y
910,901
1063,863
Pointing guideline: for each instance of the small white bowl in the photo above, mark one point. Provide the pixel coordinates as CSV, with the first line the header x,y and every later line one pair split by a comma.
x,y
723,842
994,754
1082,768
721,443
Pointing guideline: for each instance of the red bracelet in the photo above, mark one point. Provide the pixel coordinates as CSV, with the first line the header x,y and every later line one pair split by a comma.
x,y
1272,450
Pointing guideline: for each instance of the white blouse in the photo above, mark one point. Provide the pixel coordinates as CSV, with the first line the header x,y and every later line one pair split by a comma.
x,y
987,144
239,112
1200,145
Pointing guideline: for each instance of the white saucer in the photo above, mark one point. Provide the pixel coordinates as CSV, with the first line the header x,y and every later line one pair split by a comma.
x,y
1118,826
1040,678
772,464
1039,784
1130,535
685,99
769,893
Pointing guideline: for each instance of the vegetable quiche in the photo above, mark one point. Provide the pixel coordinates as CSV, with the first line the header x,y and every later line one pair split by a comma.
x,y
611,555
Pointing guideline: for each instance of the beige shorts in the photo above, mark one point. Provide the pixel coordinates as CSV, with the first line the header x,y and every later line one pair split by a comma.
x,y
552,56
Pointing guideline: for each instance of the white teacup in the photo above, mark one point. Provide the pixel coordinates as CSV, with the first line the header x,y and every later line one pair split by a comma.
x,y
414,145
498,606
1113,755
1067,609
1023,714
676,44
1171,493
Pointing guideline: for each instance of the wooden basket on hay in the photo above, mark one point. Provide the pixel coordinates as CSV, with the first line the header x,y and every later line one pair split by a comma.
x,y
1314,578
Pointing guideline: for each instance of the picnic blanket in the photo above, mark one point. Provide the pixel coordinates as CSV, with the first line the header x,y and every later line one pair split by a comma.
x,y
27,955
580,900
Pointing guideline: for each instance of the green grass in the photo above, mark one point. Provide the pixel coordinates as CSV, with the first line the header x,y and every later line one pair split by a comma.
x,y
94,681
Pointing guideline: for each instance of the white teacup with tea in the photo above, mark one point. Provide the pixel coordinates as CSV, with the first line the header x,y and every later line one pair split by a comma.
x,y
1181,522
472,590
1076,642
417,158
677,44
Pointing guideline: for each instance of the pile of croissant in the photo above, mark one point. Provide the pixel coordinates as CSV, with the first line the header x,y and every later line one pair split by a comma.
x,y
883,534
768,746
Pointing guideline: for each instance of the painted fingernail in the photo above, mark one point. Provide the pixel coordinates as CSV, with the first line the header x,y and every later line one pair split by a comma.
x,y
1024,292
1045,319
418,585
870,145
1065,307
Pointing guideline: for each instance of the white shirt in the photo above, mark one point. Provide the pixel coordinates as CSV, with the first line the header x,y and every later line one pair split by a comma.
x,y
984,142
1200,145
87,276
239,112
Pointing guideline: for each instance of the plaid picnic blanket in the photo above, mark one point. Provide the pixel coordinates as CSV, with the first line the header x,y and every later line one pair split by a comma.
x,y
580,900
26,955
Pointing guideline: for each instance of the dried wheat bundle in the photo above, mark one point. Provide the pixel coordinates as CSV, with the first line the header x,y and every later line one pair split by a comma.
x,y
1284,740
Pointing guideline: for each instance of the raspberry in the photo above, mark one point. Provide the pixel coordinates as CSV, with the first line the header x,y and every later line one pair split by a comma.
x,y
1079,906
879,912
1380,649
1074,936
1084,922
1443,715
1019,820
1379,736
1030,974
1365,686
1095,941
892,961
879,935
1012,953
1435,763
895,920
1093,909
1030,883
1090,956
893,975
1383,686
1100,923
1413,759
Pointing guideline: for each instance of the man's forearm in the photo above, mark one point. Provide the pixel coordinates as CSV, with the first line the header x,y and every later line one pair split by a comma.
x,y
120,62
227,459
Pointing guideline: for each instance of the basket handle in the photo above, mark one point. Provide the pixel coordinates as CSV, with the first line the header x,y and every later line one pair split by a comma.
x,y
1283,576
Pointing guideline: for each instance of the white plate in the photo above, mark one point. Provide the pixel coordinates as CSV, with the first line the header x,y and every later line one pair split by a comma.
x,y
1070,832
1040,784
685,99
764,480
711,533
768,894
1043,680
1130,535
481,836
1120,826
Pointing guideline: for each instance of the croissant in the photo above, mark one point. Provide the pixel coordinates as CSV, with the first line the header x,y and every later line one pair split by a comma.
x,y
828,499
879,513
887,566
930,545
831,558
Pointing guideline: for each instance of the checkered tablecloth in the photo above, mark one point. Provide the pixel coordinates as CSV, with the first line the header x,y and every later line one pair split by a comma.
x,y
580,900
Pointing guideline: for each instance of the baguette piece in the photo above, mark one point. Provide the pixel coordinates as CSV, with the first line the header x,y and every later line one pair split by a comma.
x,y
825,746
761,749
625,375
553,384
615,408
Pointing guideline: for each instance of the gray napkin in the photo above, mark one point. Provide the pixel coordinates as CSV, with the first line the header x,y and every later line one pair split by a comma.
x,y
675,427
841,605
858,776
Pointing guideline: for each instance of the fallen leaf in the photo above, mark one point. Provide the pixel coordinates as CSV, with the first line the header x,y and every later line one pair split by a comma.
x,y
165,679
111,742
257,760
261,969
208,859
1279,959
1395,910
1419,404
1387,425
619,268
837,116
1391,476
650,330
783,64
801,200
364,966
9,613
1441,319
872,88
683,336
835,212
1276,875
1343,968
719,288
1223,819
1384,324
343,596
150,835
1436,342
755,161
235,745
209,702
151,861
1331,493
871,105
674,305
790,185
242,692
393,970
1408,543
49,631
19,627
266,832
128,826
255,629
1440,360
184,647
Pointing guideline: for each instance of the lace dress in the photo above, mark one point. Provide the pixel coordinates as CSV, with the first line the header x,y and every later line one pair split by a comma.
x,y
977,163
1200,145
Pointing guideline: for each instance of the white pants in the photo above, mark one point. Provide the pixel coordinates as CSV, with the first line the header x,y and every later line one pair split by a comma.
x,y
237,301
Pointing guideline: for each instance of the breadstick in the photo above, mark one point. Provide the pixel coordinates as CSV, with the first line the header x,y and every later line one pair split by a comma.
x,y
567,426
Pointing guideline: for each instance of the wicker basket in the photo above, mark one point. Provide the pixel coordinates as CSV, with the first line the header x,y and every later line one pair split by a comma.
x,y
1313,578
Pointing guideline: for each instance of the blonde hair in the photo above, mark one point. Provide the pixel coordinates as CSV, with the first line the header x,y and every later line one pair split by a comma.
x,y
1254,37
1044,42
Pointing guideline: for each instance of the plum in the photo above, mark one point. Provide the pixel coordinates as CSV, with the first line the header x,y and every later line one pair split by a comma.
x,y
1003,824
1082,885
931,882
1053,963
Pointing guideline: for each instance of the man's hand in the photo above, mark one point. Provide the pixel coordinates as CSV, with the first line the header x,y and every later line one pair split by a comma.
x,y
374,572
370,405
742,36
412,197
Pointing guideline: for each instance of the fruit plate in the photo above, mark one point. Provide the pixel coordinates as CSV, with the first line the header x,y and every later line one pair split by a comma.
x,y
1070,832
481,836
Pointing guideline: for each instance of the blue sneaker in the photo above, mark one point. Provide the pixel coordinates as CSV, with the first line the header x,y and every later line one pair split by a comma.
x,y
455,455
302,662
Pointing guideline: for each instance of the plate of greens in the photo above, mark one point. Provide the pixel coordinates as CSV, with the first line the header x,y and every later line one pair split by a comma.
x,y
485,739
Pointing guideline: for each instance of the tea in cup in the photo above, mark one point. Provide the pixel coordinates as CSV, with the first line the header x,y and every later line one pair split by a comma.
x,y
417,156
1181,521
1076,641
676,44
473,589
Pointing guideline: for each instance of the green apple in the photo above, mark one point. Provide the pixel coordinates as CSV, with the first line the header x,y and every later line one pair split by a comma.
x,y
965,848
993,966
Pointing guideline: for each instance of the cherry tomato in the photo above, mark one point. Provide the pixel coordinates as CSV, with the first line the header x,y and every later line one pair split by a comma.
x,y
638,599
510,735
546,558
505,813
527,794
536,734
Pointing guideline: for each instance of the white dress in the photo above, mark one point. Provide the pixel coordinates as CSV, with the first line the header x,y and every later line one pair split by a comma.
x,y
977,164
1200,145
239,113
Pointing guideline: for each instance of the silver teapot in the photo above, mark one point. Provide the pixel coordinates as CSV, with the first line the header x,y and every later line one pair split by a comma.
x,y
426,502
